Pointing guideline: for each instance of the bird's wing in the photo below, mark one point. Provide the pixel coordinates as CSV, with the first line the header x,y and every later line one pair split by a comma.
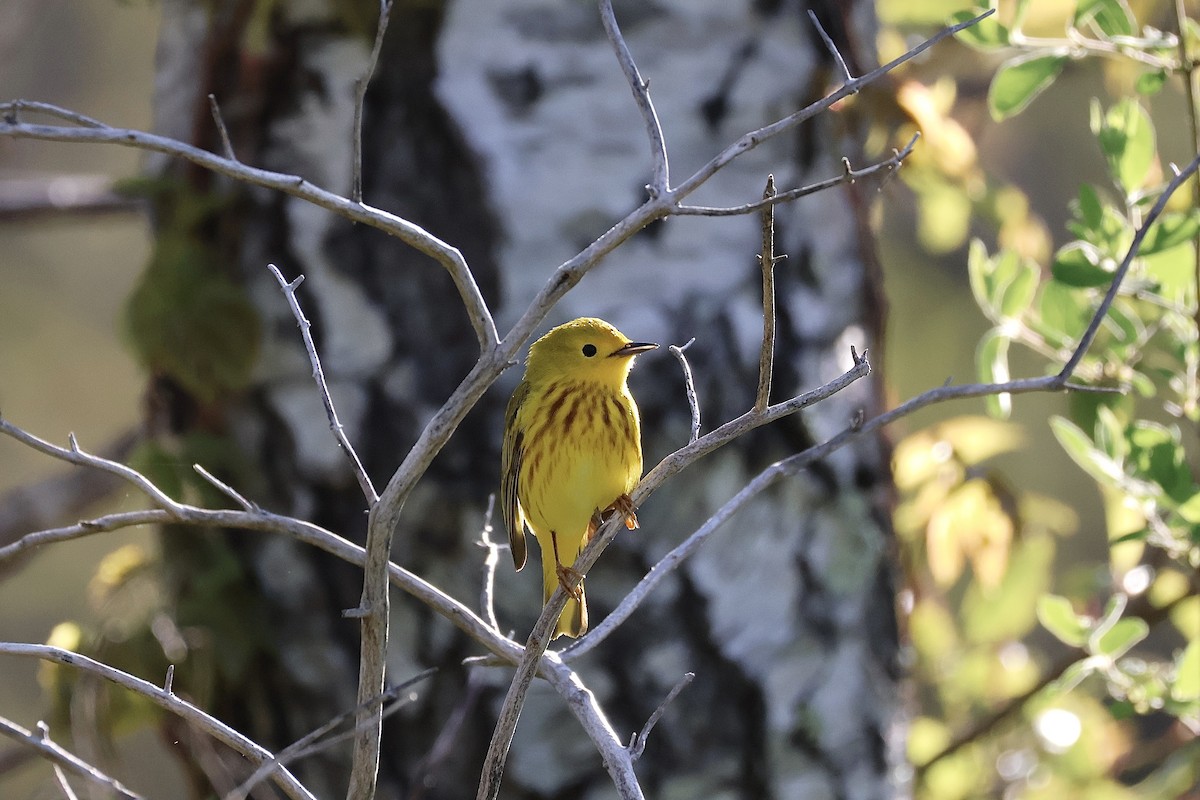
x,y
510,470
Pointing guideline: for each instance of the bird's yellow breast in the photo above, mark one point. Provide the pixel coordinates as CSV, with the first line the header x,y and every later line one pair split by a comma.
x,y
582,451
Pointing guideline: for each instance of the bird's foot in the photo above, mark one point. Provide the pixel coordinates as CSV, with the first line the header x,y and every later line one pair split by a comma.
x,y
623,505
571,580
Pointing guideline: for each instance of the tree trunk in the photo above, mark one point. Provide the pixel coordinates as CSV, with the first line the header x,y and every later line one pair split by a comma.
x,y
507,129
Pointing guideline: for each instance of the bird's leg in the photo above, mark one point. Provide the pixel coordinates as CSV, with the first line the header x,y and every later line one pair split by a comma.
x,y
593,525
566,575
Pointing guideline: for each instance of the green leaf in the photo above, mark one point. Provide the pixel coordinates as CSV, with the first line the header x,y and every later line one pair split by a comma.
x,y
1018,295
1111,17
979,267
1170,231
1083,452
992,359
1089,207
1117,640
1187,673
1021,79
1150,83
1078,264
1064,311
1190,509
1126,137
1110,434
1057,616
987,34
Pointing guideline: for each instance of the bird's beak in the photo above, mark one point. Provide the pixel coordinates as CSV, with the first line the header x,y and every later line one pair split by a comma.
x,y
632,349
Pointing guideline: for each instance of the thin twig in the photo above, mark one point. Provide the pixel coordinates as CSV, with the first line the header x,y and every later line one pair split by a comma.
x,y
360,96
637,744
411,234
60,758
753,139
319,739
225,488
837,56
487,591
167,701
660,182
848,175
13,110
444,745
222,131
360,473
1193,108
767,261
689,385
1119,276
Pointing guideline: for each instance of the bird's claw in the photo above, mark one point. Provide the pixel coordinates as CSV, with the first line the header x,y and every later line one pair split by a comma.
x,y
623,505
571,580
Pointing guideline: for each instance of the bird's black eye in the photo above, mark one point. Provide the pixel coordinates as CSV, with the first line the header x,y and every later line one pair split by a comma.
x,y
589,350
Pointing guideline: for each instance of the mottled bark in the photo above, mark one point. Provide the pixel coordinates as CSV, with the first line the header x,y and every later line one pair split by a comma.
x,y
507,129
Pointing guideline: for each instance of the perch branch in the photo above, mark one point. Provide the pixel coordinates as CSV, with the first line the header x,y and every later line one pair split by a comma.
x,y
62,759
167,701
360,473
535,646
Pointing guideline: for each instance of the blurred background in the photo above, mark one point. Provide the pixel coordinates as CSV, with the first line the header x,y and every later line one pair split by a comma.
x,y
64,277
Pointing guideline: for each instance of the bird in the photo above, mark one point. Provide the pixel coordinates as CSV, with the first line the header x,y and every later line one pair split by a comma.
x,y
572,452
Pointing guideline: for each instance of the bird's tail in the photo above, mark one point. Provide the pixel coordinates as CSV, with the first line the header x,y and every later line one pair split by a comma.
x,y
573,621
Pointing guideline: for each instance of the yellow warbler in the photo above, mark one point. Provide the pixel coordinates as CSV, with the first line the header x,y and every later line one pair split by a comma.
x,y
572,450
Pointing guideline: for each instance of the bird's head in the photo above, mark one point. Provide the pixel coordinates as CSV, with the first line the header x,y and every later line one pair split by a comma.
x,y
584,349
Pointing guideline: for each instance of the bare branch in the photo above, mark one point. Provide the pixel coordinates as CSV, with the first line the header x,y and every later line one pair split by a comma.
x,y
1090,334
837,56
222,131
689,385
40,505
317,740
582,703
767,260
77,456
660,182
360,96
360,473
411,234
487,605
167,701
62,759
444,745
637,743
753,139
225,488
849,175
